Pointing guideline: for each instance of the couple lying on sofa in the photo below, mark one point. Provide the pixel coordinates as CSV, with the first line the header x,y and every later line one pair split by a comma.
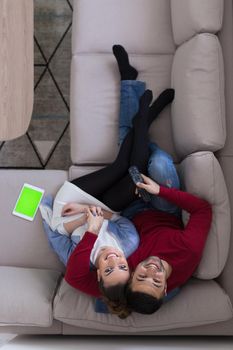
x,y
108,261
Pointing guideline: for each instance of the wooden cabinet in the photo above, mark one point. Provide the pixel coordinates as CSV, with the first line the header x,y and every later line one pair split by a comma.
x,y
16,67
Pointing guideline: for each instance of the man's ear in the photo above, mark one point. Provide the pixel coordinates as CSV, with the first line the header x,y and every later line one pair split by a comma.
x,y
98,275
165,290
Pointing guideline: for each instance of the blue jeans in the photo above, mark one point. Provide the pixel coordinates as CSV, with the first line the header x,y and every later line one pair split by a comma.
x,y
131,91
160,166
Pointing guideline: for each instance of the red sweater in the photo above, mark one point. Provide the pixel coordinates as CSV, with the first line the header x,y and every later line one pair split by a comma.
x,y
161,234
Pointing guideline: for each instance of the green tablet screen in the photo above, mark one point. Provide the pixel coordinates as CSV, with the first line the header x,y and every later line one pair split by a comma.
x,y
28,201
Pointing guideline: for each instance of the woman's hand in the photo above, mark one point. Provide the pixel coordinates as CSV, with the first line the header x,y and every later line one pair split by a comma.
x,y
96,210
149,185
73,209
94,220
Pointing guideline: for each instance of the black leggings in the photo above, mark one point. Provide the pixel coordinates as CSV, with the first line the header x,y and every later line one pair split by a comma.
x,y
112,185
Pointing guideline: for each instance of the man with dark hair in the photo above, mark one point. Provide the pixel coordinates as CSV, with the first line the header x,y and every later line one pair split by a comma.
x,y
168,253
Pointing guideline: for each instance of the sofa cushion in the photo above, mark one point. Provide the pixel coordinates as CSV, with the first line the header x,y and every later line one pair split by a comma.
x,y
190,17
198,110
26,296
18,235
202,175
97,25
76,308
95,100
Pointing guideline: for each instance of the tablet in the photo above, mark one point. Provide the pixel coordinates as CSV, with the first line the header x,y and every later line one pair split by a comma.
x,y
28,202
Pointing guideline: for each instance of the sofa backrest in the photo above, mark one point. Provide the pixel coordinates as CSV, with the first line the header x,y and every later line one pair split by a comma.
x,y
191,17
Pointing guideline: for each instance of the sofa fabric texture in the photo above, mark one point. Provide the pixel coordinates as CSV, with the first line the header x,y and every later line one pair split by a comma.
x,y
198,16
98,74
198,111
142,29
202,175
76,308
26,296
24,243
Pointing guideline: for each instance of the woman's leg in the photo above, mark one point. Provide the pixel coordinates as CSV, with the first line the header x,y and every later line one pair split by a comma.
x,y
100,181
123,192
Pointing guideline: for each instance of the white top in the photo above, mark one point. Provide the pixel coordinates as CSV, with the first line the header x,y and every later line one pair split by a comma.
x,y
105,239
71,193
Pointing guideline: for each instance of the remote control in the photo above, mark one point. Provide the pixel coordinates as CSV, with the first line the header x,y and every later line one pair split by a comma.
x,y
137,177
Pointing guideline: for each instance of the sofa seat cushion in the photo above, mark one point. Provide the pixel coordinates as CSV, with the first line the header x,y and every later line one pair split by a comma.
x,y
97,25
198,110
26,240
202,175
95,101
27,295
77,309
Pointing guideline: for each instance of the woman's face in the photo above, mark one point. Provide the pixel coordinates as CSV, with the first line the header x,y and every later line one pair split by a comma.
x,y
112,267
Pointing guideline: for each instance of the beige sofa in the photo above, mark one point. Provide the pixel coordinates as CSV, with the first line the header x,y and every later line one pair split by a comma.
x,y
186,44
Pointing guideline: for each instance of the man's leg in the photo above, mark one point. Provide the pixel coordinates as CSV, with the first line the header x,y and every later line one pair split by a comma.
x,y
131,92
162,169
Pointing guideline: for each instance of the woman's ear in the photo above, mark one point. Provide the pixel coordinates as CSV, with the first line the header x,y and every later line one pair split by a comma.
x,y
98,275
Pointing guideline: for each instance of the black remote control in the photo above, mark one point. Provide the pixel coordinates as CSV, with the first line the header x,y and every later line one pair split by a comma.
x,y
137,177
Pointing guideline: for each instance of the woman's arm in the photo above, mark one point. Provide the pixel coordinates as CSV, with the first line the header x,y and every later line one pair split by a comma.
x,y
78,272
73,209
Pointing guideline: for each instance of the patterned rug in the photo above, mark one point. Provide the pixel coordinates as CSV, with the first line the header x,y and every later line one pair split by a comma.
x,y
46,145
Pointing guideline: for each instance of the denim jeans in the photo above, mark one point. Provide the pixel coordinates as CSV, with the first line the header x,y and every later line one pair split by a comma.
x,y
131,91
160,166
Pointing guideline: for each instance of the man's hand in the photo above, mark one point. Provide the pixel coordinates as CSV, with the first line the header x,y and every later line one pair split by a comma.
x,y
73,209
94,219
149,185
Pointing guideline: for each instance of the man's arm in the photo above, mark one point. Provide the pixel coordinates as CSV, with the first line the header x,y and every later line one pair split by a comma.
x,y
198,226
184,200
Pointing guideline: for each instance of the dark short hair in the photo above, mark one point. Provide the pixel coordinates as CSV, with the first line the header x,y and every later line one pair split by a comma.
x,y
141,302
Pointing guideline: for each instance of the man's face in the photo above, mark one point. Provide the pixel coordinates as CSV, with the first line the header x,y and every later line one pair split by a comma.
x,y
150,277
112,267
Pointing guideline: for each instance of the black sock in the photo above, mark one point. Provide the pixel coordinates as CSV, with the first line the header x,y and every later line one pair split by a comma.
x,y
127,72
160,103
144,103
